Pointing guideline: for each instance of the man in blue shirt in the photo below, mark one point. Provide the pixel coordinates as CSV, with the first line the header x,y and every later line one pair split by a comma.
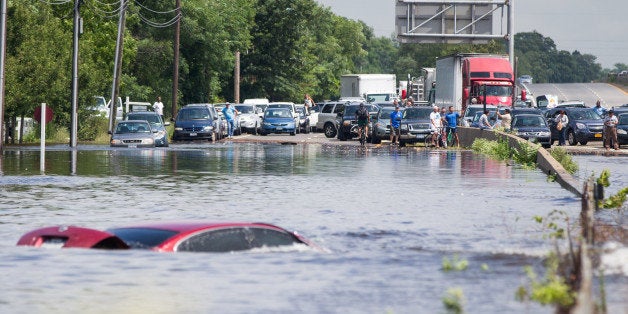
x,y
395,122
230,115
452,121
599,109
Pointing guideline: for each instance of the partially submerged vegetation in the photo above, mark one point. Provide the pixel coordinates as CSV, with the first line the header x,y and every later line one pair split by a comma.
x,y
524,155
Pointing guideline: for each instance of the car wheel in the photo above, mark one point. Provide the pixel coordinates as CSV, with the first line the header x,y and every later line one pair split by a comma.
x,y
571,138
583,142
293,133
330,130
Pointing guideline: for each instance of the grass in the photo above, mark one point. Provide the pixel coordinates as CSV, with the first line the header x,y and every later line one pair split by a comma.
x,y
561,155
524,155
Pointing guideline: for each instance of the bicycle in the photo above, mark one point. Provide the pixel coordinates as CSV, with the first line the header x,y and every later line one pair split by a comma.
x,y
362,132
450,139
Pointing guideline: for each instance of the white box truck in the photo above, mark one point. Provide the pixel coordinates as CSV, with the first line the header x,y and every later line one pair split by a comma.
x,y
371,87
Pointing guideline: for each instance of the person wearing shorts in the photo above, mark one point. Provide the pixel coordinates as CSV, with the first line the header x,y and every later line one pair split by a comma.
x,y
452,121
395,122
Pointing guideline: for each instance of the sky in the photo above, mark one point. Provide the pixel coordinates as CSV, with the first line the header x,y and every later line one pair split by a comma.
x,y
596,27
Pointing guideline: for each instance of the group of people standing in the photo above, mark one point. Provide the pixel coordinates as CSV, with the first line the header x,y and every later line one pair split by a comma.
x,y
440,121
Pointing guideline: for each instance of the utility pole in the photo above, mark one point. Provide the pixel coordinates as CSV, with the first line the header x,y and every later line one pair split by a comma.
x,y
3,46
117,67
236,79
75,55
175,66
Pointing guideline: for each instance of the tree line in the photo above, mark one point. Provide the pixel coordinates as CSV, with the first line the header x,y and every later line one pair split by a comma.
x,y
288,48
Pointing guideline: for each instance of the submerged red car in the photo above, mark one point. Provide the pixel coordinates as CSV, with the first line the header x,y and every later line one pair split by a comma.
x,y
169,237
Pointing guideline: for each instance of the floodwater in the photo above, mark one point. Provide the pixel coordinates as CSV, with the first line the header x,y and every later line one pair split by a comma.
x,y
387,216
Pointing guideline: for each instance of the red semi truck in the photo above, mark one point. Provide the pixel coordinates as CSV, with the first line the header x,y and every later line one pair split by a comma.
x,y
461,77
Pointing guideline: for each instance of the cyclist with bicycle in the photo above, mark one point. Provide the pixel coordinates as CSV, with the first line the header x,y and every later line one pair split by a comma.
x,y
363,117
452,122
435,126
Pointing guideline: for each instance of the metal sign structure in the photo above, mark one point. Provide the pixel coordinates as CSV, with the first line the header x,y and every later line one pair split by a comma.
x,y
454,21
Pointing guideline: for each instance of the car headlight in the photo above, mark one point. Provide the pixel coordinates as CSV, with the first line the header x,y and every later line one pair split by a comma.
x,y
161,133
581,125
622,131
116,142
267,124
178,128
208,128
148,141
403,127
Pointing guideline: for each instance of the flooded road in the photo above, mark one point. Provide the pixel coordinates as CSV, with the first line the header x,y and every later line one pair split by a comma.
x,y
388,216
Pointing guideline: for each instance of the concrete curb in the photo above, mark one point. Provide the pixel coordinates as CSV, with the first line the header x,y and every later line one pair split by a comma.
x,y
544,159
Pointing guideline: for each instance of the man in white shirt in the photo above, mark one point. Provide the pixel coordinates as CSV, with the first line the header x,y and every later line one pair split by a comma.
x,y
435,124
158,106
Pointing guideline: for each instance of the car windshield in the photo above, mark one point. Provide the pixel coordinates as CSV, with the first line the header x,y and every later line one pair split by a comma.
x,y
193,114
301,111
496,90
351,109
585,115
378,97
385,112
132,127
277,113
245,109
623,119
142,238
287,106
152,118
417,113
528,121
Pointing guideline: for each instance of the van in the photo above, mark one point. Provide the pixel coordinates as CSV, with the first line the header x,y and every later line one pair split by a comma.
x,y
196,122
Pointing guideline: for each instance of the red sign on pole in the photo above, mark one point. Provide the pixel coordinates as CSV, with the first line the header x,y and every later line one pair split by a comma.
x,y
37,114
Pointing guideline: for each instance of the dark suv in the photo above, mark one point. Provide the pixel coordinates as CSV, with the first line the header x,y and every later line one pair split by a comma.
x,y
348,122
584,125
415,125
196,122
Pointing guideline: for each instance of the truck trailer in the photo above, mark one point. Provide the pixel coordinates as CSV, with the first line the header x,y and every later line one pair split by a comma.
x,y
487,78
371,87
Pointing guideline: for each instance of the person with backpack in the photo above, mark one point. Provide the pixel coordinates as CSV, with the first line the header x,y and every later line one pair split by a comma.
x,y
363,117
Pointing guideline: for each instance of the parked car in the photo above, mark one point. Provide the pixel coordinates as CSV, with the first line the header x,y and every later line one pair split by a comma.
x,y
133,133
525,79
380,128
156,123
289,105
532,127
197,122
249,119
620,109
169,237
415,125
348,122
328,118
304,119
584,125
622,129
278,120
470,113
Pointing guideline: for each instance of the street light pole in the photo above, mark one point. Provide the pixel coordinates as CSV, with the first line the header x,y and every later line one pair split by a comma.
x,y
175,65
75,55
